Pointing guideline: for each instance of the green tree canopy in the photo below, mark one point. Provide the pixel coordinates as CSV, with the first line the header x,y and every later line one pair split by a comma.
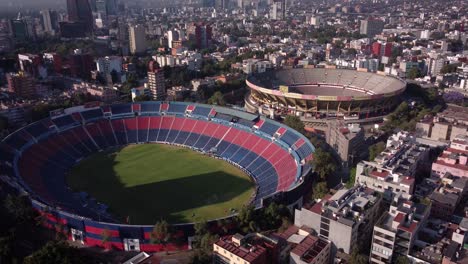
x,y
402,260
295,123
450,68
142,98
55,252
19,207
357,257
245,218
375,150
217,99
320,190
352,178
323,163
413,73
161,233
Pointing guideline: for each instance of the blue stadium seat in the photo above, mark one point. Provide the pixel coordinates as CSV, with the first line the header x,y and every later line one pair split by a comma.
x,y
239,155
231,150
192,139
289,137
248,159
132,136
120,109
150,107
201,111
224,117
304,151
16,140
245,122
153,135
269,128
64,121
177,108
162,135
37,129
142,135
92,114
201,142
181,137
172,135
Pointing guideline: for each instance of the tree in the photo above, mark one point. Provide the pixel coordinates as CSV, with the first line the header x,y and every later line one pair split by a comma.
x,y
323,163
413,73
357,258
55,252
352,178
285,224
201,257
207,240
375,150
449,68
272,216
6,247
295,123
131,82
201,228
217,99
19,207
61,231
246,218
402,260
142,98
161,233
320,190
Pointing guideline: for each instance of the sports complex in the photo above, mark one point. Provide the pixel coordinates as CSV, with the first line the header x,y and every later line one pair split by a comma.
x,y
323,93
120,168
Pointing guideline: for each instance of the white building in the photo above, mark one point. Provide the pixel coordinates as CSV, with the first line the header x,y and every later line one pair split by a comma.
x,y
396,231
108,64
172,35
316,21
255,66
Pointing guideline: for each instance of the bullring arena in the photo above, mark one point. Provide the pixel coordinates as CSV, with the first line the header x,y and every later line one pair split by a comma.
x,y
320,94
138,152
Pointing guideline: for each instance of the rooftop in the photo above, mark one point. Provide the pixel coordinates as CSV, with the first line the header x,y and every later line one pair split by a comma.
x,y
304,245
347,206
248,248
310,248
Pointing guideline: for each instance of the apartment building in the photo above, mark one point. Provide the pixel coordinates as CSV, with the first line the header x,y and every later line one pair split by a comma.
x,y
345,219
396,231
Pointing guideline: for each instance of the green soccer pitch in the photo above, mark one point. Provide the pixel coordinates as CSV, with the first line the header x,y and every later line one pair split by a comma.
x,y
152,182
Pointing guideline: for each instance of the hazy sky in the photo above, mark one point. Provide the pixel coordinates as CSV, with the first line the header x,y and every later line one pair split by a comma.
x,y
10,4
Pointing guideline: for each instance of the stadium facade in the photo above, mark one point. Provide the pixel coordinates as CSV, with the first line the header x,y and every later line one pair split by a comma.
x,y
323,93
35,159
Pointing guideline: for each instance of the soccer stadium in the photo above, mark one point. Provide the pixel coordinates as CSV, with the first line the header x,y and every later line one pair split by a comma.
x,y
120,168
322,93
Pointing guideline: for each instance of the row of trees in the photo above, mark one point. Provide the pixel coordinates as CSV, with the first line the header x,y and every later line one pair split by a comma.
x,y
20,235
42,110
273,217
323,162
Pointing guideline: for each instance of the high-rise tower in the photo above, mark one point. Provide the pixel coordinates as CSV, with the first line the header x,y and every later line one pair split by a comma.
x,y
80,11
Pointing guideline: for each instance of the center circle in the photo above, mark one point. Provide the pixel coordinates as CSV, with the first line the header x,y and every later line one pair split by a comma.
x,y
145,183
